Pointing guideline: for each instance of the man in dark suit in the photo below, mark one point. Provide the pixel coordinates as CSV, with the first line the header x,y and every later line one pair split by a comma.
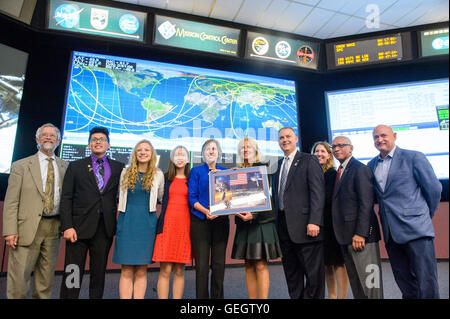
x,y
88,215
299,197
408,193
355,223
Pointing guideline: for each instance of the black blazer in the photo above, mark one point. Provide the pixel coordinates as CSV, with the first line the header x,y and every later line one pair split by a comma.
x,y
81,200
352,205
304,196
330,178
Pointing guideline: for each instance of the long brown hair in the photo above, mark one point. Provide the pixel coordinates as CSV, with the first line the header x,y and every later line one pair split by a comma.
x,y
172,170
132,172
330,162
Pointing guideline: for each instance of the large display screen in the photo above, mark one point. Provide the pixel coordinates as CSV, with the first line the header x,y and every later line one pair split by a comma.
x,y
417,112
13,65
185,34
434,42
265,47
374,50
96,20
172,104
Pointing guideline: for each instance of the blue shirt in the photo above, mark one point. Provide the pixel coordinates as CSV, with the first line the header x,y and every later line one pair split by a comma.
x,y
382,169
198,188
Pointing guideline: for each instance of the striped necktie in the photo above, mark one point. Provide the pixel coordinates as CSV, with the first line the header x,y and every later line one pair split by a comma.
x,y
284,174
338,177
49,188
100,174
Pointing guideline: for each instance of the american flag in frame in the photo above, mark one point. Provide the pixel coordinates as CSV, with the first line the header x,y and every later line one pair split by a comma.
x,y
239,190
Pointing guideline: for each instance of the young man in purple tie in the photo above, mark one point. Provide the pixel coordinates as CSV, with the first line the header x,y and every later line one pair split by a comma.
x,y
88,215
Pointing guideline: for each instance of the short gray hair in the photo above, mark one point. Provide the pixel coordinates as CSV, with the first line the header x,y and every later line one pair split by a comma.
x,y
344,137
39,130
219,149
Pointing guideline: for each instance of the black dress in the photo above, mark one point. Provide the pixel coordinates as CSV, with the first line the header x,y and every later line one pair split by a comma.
x,y
257,239
332,250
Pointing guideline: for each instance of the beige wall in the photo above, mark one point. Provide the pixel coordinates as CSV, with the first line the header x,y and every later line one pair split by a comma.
x,y
440,222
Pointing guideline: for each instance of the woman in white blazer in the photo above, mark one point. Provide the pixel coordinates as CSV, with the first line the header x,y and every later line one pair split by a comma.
x,y
141,186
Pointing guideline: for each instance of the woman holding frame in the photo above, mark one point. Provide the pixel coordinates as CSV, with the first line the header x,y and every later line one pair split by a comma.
x,y
209,233
256,240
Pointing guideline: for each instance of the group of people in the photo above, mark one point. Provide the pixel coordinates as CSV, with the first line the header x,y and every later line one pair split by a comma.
x,y
322,223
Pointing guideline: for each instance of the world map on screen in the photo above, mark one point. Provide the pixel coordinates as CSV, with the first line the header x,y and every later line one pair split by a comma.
x,y
166,102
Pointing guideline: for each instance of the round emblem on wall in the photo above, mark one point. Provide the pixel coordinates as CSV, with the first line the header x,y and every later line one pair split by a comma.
x,y
260,45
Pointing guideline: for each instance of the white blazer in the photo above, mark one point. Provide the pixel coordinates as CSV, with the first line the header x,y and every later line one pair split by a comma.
x,y
156,191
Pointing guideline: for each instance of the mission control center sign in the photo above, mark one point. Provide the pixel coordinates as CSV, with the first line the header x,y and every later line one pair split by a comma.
x,y
196,36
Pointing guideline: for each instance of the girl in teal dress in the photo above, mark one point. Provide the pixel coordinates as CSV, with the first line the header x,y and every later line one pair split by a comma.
x,y
141,184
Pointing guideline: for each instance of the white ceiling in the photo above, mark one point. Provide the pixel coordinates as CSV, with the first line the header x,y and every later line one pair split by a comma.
x,y
322,19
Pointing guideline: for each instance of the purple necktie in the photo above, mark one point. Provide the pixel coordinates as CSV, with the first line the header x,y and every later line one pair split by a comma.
x,y
100,174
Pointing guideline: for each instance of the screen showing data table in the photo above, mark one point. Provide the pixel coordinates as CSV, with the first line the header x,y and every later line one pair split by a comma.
x,y
417,112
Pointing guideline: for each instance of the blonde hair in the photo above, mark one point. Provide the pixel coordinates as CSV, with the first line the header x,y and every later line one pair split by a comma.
x,y
330,162
251,143
132,173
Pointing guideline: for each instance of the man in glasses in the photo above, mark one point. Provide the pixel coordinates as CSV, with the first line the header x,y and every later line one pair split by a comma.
x,y
88,215
31,217
408,193
355,223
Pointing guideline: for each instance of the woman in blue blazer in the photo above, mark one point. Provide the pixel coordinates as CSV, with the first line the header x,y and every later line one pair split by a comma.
x,y
209,234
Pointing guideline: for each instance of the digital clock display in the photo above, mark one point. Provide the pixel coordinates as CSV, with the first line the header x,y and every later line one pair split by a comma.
x,y
386,48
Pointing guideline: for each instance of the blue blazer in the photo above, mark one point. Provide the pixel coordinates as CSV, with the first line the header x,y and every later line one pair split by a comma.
x,y
198,188
410,198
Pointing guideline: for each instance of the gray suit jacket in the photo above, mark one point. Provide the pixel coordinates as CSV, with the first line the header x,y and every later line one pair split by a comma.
x,y
24,200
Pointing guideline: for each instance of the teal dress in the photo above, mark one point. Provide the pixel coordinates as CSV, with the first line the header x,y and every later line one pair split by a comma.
x,y
136,229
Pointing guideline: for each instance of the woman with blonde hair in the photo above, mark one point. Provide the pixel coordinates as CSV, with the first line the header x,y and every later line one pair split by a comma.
x,y
141,185
256,240
335,272
173,242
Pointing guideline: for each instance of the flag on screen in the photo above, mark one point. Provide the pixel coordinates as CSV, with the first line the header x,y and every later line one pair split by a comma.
x,y
238,179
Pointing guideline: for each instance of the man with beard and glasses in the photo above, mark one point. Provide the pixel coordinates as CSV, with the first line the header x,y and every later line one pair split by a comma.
x,y
31,217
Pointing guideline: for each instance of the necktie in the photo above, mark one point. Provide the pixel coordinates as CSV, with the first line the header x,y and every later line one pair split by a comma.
x,y
284,174
49,188
100,174
338,177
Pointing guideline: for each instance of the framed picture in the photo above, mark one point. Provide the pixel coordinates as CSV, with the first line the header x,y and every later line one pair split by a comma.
x,y
239,190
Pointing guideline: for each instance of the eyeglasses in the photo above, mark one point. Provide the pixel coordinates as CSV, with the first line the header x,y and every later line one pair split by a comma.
x,y
99,139
339,146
